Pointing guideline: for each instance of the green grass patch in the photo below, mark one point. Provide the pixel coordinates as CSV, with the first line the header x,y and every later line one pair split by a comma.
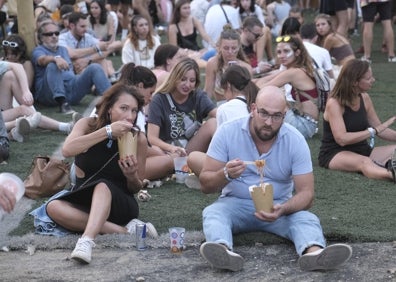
x,y
351,207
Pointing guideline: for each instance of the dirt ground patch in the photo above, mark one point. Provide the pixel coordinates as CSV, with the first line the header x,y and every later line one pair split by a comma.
x,y
116,259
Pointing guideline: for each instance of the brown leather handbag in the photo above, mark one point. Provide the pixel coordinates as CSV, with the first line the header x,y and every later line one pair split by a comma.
x,y
47,176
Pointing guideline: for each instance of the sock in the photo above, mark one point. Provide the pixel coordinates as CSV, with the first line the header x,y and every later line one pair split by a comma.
x,y
64,127
124,33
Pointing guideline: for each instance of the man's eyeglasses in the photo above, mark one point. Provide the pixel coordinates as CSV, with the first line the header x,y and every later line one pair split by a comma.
x,y
56,33
11,44
264,115
256,35
285,38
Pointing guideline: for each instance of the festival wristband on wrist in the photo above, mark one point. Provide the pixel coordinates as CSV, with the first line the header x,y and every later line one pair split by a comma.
x,y
372,136
109,135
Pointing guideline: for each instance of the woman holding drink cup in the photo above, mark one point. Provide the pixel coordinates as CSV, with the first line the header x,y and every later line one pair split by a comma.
x,y
102,201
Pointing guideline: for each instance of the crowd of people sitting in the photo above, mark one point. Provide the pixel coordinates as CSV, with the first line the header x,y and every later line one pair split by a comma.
x,y
268,101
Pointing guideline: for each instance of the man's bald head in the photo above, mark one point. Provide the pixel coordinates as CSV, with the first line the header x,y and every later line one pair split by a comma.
x,y
271,97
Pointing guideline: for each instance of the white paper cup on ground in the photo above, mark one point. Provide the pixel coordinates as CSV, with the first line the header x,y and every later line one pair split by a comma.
x,y
176,235
13,183
181,169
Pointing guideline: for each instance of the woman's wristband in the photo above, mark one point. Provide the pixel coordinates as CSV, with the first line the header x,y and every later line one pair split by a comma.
x,y
109,135
109,132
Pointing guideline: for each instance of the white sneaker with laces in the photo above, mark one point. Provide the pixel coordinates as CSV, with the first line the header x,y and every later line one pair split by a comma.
x,y
34,119
324,259
83,250
21,130
150,229
220,257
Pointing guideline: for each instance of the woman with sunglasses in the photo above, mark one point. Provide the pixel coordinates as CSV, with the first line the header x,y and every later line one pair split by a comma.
x,y
15,52
229,52
141,44
303,112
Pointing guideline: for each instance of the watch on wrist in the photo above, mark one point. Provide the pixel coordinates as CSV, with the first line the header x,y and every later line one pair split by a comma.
x,y
226,174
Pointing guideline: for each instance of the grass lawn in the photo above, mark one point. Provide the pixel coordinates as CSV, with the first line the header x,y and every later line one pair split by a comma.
x,y
351,207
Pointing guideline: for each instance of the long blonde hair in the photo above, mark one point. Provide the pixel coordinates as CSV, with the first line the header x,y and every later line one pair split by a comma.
x,y
177,73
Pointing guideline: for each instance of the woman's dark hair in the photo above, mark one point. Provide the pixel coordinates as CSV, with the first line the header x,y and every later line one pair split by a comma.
x,y
176,11
109,98
291,26
103,13
251,8
163,53
239,77
345,90
133,75
21,49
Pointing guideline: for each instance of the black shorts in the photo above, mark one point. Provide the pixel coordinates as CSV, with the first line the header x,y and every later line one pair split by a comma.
x,y
330,7
384,9
116,2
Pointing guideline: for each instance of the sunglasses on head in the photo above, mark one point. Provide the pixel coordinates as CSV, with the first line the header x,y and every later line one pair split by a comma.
x,y
56,33
285,38
11,44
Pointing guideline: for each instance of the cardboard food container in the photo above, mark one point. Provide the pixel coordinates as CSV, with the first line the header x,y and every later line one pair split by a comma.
x,y
127,145
263,197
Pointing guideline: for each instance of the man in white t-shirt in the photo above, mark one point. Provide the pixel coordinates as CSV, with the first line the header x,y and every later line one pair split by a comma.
x,y
217,17
320,55
199,9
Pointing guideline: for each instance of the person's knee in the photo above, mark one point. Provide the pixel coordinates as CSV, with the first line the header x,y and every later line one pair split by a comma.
x,y
54,208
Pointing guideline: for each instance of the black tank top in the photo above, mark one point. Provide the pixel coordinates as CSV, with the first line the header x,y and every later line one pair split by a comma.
x,y
354,121
188,41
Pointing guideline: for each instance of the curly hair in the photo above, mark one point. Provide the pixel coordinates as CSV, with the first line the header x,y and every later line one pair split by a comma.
x,y
21,49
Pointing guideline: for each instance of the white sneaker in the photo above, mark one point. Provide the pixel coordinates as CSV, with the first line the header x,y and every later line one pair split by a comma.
x,y
220,257
192,182
150,229
34,119
21,130
324,259
392,59
83,250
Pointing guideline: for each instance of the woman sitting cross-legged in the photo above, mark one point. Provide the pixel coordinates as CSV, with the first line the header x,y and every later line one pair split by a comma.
x,y
177,113
350,120
102,201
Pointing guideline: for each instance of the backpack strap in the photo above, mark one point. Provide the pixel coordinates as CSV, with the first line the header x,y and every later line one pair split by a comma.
x,y
225,14
172,106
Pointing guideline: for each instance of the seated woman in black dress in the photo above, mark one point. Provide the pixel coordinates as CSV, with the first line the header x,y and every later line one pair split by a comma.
x,y
102,201
350,120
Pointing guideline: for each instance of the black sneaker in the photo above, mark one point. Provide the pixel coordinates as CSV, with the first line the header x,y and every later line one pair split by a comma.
x,y
66,109
4,149
392,165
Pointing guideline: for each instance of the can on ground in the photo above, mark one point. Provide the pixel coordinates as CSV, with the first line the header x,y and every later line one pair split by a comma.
x,y
141,232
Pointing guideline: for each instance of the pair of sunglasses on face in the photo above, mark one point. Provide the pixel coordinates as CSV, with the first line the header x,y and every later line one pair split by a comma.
x,y
11,44
56,33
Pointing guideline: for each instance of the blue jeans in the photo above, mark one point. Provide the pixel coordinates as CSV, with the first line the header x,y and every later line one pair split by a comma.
x,y
230,215
305,124
73,89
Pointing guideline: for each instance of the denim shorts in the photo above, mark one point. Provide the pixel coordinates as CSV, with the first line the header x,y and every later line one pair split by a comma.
x,y
306,124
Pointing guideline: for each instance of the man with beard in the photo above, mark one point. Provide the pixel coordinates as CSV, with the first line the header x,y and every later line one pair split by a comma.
x,y
54,79
263,136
